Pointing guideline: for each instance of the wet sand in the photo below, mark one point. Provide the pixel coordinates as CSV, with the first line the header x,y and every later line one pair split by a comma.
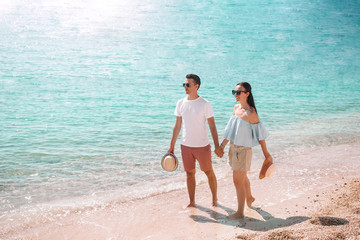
x,y
298,202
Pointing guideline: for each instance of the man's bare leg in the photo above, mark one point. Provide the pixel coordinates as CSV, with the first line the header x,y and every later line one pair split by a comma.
x,y
191,184
213,185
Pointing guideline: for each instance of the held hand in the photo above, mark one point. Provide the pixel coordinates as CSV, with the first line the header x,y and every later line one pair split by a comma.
x,y
216,152
222,152
219,152
221,149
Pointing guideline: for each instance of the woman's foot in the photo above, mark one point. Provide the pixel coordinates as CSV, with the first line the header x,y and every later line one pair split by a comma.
x,y
249,201
215,202
236,215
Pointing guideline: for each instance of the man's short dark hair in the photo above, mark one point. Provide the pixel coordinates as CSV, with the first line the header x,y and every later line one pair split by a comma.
x,y
195,78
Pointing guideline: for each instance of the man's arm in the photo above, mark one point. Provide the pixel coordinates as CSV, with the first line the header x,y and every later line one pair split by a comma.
x,y
176,132
213,131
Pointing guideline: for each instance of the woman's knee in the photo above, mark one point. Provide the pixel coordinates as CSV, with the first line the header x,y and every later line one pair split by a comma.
x,y
239,178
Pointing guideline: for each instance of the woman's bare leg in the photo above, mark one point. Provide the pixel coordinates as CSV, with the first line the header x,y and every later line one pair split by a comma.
x,y
239,178
249,198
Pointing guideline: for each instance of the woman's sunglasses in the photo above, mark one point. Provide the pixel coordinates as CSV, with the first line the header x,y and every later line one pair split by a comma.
x,y
238,92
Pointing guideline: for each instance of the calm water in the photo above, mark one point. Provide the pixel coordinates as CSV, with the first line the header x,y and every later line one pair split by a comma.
x,y
88,88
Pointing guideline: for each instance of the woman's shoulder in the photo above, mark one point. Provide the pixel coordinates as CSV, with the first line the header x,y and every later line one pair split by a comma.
x,y
252,111
252,116
236,107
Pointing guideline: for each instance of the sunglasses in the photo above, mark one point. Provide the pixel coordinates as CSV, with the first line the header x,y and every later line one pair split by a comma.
x,y
238,92
186,84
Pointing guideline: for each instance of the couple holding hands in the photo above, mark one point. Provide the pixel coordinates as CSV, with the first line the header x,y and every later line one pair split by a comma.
x,y
243,131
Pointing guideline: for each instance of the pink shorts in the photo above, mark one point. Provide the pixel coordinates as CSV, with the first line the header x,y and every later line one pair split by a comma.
x,y
202,154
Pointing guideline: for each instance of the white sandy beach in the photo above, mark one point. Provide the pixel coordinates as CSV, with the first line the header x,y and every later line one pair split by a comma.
x,y
306,204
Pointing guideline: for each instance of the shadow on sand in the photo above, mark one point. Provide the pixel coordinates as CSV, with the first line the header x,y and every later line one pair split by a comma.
x,y
269,222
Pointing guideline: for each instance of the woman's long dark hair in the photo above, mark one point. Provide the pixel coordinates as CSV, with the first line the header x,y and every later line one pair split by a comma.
x,y
250,99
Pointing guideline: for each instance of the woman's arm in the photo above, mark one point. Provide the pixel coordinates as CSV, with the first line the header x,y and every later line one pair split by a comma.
x,y
264,149
223,144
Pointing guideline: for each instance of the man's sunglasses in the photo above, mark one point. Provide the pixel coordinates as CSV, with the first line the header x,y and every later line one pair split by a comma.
x,y
238,92
186,84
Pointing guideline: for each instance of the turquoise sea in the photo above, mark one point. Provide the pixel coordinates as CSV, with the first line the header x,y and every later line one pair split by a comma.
x,y
88,88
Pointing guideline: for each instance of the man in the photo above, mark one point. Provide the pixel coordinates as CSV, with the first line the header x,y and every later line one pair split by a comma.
x,y
192,112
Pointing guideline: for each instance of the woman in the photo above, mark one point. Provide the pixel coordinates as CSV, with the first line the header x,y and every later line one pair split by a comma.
x,y
244,131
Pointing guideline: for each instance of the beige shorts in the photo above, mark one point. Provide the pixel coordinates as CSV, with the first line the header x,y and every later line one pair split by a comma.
x,y
240,157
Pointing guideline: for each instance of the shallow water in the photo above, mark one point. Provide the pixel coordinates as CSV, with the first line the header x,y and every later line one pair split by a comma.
x,y
88,88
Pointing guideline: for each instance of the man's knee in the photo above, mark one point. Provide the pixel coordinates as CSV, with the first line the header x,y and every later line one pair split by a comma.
x,y
191,173
210,173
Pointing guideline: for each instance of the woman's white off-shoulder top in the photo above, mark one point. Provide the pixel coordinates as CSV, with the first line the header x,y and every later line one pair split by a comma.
x,y
243,133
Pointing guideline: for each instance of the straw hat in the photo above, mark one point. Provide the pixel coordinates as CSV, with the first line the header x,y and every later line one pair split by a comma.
x,y
268,168
169,162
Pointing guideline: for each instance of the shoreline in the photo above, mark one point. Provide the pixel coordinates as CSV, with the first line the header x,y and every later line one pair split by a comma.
x,y
287,201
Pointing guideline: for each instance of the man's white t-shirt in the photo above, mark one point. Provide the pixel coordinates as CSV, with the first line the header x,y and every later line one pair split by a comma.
x,y
194,114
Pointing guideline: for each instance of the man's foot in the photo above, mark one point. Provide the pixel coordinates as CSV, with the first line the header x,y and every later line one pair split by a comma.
x,y
236,215
249,201
191,204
